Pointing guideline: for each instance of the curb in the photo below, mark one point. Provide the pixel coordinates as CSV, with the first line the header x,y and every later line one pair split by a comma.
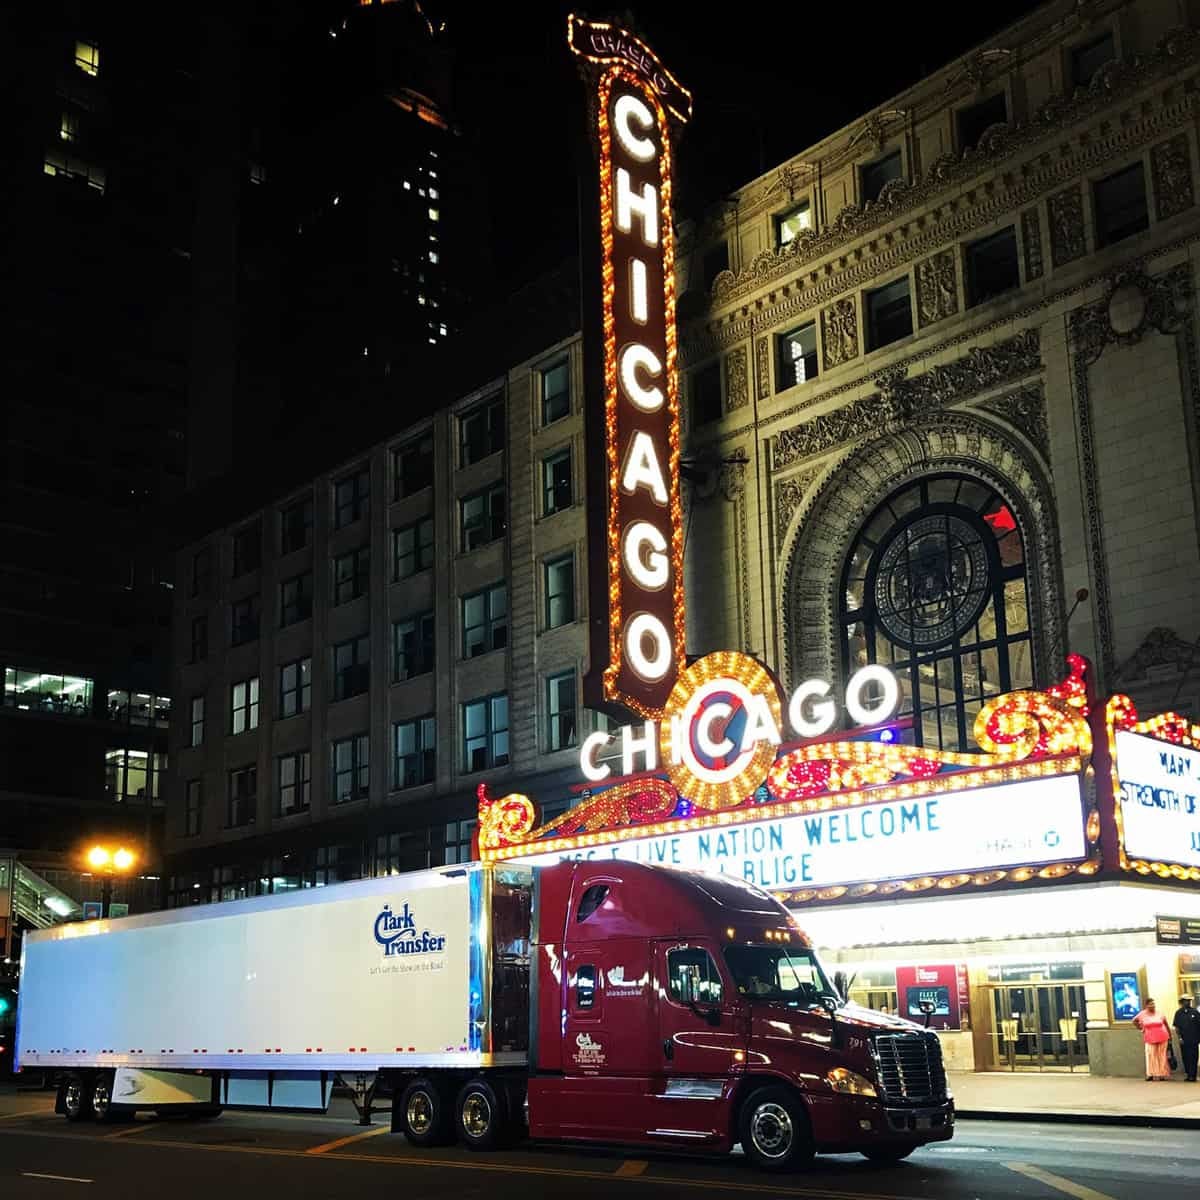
x,y
1137,1121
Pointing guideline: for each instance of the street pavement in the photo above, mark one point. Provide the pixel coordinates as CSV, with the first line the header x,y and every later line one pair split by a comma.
x,y
254,1154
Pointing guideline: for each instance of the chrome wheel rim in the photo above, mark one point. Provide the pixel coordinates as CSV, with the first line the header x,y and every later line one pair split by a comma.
x,y
100,1099
419,1112
73,1098
771,1130
477,1114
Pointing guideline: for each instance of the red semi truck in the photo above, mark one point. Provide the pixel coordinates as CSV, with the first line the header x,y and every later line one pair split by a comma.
x,y
596,1001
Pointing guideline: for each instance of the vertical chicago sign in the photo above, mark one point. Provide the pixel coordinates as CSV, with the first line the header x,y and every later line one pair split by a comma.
x,y
637,102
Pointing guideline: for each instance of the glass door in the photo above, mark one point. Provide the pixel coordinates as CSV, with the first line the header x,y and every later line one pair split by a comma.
x,y
1039,1027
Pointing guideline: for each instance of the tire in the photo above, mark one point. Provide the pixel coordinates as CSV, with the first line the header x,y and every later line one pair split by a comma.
x,y
425,1114
774,1130
99,1094
481,1114
885,1155
75,1097
208,1113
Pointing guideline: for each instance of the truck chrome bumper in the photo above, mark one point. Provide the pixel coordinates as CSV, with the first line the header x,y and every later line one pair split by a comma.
x,y
919,1120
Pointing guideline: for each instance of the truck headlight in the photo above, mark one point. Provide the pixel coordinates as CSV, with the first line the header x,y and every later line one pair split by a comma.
x,y
849,1083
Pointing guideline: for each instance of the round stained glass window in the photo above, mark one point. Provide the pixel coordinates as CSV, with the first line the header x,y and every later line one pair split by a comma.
x,y
932,582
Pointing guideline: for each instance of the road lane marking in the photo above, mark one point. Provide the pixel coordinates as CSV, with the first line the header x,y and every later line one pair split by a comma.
x,y
630,1167
29,1112
1078,1190
325,1147
140,1127
59,1178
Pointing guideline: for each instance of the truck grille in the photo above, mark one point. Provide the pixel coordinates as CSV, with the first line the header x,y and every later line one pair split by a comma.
x,y
910,1067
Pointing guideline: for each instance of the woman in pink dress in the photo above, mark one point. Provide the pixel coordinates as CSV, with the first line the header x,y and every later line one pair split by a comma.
x,y
1155,1034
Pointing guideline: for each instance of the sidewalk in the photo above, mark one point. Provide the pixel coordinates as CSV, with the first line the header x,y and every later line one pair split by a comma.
x,y
1048,1096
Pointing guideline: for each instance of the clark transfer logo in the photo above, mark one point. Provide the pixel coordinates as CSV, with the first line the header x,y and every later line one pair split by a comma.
x,y
397,934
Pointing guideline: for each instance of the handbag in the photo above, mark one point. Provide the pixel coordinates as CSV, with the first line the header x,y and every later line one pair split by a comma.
x,y
1172,1061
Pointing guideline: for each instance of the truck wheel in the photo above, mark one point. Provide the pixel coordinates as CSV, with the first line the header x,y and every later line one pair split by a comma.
x,y
75,1098
774,1128
424,1114
482,1115
100,1097
887,1154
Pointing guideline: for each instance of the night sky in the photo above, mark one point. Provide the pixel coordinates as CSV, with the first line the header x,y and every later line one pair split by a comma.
x,y
768,80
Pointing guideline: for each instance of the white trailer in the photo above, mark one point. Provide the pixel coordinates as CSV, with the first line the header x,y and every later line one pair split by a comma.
x,y
263,1002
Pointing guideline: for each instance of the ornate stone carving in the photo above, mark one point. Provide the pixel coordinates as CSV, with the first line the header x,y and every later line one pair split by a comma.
x,y
1171,166
762,368
839,332
1161,647
1025,410
712,478
737,394
937,287
1067,241
901,399
1031,236
789,493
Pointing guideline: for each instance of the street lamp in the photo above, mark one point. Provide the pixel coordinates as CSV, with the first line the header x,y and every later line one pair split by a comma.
x,y
108,864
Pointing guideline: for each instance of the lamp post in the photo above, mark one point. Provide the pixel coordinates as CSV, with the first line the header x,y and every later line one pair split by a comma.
x,y
108,864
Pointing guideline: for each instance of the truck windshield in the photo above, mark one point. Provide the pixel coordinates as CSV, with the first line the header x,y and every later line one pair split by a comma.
x,y
784,974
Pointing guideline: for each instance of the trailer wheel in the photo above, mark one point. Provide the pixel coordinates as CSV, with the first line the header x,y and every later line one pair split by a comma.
x,y
75,1097
425,1114
100,1097
482,1112
774,1129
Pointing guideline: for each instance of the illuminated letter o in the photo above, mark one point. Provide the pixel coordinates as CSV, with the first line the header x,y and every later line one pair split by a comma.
x,y
653,667
880,710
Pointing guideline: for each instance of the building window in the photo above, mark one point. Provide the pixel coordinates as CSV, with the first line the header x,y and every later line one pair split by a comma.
x,y
398,853
889,314
247,550
199,639
293,783
351,575
295,526
1087,59
797,361
481,431
715,260
201,570
69,166
193,808
560,711
556,482
244,707
556,392
412,548
992,266
973,121
138,708
485,733
295,687
87,57
243,797
197,734
934,588
295,599
706,394
244,620
134,775
459,836
412,647
1121,205
351,668
351,498
482,517
874,175
485,621
351,769
47,692
792,222
412,466
414,752
560,591
68,127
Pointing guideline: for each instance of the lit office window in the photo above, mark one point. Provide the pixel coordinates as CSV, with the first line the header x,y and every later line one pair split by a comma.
x,y
790,223
68,127
244,707
87,57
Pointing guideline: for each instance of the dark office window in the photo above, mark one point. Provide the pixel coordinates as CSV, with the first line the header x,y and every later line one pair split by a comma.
x,y
295,526
247,549
412,466
889,314
412,548
706,394
197,735
874,175
714,262
193,809
560,711
295,687
1121,205
992,266
295,599
481,431
485,621
199,639
415,752
201,570
351,575
293,783
1087,59
412,647
351,668
792,222
351,498
485,733
483,517
972,121
243,797
244,620
556,392
797,362
351,769
560,591
556,482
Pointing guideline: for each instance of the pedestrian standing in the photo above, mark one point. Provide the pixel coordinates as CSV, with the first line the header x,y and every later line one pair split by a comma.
x,y
1155,1034
1187,1025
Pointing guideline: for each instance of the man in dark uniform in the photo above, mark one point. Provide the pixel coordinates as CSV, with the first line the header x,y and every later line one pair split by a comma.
x,y
1187,1025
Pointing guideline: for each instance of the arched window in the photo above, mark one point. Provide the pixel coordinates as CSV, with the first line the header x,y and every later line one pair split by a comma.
x,y
934,587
